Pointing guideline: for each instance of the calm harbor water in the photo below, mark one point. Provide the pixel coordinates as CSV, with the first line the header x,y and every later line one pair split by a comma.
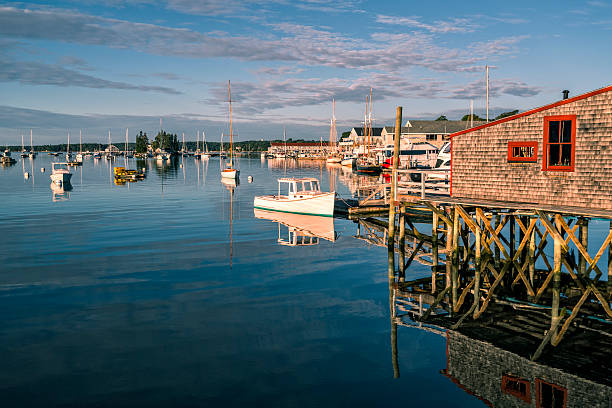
x,y
170,292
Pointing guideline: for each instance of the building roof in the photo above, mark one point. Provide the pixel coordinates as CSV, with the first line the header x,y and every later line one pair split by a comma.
x,y
435,127
376,131
536,110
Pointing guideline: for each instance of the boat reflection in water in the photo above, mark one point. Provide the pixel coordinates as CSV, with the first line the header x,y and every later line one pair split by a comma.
x,y
301,230
60,192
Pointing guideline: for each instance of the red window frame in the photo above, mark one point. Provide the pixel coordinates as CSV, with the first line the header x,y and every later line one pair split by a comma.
x,y
547,120
538,390
506,379
514,159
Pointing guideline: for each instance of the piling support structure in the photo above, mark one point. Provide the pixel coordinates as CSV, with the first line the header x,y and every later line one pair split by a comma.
x,y
393,200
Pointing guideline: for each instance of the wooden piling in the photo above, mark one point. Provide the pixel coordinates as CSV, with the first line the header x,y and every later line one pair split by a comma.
x,y
583,236
455,259
477,264
610,262
434,250
392,201
532,250
556,280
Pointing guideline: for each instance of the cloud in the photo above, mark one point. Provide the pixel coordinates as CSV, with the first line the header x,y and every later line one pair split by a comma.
x,y
454,25
50,127
75,62
36,73
597,4
498,87
306,45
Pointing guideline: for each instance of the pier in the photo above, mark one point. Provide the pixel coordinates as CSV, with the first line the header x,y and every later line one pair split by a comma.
x,y
508,236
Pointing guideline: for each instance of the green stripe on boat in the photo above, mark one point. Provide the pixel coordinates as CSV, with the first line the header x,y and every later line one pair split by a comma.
x,y
293,212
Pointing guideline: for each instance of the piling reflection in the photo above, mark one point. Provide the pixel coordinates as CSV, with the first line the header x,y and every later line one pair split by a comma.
x,y
502,353
298,229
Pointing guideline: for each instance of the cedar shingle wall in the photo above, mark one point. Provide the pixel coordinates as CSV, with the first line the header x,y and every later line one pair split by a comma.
x,y
481,169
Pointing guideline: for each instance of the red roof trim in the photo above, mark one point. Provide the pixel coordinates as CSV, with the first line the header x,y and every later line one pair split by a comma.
x,y
536,110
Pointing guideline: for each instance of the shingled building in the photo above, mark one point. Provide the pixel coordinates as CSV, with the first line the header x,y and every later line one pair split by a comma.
x,y
558,155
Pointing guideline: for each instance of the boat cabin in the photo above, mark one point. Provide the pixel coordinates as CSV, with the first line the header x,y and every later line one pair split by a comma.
x,y
555,156
297,187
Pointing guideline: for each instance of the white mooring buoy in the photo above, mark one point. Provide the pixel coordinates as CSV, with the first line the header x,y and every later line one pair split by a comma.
x,y
26,175
250,179
42,169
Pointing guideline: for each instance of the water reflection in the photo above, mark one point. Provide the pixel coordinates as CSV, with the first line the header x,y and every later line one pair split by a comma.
x,y
299,230
497,357
60,192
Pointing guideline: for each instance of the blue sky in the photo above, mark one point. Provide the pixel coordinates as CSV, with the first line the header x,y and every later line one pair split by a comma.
x,y
112,64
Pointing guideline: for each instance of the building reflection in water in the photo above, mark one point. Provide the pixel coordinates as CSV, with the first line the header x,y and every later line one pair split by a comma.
x,y
497,357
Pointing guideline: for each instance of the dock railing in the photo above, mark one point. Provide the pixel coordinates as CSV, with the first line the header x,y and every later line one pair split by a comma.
x,y
420,183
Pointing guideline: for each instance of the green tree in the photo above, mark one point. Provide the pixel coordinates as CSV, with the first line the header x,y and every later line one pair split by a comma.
x,y
506,114
346,134
142,142
475,117
168,141
442,117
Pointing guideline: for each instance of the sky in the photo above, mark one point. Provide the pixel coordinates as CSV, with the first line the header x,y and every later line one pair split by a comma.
x,y
101,65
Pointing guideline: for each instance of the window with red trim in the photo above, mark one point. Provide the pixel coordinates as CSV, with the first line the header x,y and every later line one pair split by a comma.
x,y
524,152
559,143
550,395
518,387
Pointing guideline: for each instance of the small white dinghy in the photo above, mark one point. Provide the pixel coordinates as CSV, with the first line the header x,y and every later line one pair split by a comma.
x,y
304,196
60,175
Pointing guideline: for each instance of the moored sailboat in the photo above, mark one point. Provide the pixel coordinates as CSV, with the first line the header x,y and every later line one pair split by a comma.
x,y
230,171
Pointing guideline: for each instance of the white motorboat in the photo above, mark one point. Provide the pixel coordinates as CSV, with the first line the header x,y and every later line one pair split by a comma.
x,y
303,197
348,161
60,175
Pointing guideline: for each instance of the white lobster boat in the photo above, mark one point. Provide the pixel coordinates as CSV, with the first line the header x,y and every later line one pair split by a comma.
x,y
304,197
61,175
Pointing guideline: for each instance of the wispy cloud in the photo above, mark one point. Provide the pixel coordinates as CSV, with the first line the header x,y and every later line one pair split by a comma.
x,y
37,73
475,89
454,25
307,45
595,3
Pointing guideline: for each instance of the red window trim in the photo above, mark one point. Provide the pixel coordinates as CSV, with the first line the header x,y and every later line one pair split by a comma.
x,y
504,387
532,159
538,384
545,166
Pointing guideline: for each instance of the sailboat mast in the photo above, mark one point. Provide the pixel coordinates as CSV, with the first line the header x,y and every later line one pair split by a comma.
x,y
370,120
81,141
229,83
31,144
126,140
68,148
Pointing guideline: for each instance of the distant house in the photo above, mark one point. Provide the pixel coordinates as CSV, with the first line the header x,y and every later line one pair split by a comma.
x,y
357,138
435,132
556,155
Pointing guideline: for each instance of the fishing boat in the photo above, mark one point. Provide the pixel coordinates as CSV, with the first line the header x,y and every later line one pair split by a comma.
x,y
348,160
6,159
60,174
230,171
304,196
367,164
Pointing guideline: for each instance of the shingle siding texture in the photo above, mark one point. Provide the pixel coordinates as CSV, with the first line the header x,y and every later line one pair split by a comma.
x,y
481,169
